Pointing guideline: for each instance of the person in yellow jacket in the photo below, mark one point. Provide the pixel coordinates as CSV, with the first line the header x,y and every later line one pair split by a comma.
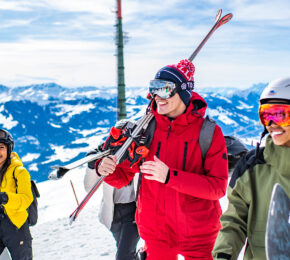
x,y
15,198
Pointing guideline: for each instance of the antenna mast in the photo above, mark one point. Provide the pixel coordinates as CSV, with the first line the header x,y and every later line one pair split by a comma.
x,y
120,63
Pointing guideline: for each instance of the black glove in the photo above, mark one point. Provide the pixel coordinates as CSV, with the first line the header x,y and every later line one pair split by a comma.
x,y
115,140
136,154
3,198
118,135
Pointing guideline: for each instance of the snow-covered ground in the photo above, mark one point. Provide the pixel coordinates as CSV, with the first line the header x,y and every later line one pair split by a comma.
x,y
86,238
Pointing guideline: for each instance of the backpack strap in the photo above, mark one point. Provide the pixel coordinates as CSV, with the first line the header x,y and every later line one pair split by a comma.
x,y
206,135
33,185
247,162
34,189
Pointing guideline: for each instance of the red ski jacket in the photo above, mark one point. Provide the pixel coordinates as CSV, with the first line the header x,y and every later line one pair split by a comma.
x,y
185,211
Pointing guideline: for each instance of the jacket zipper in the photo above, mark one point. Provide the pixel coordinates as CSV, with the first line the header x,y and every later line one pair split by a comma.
x,y
158,150
169,129
184,155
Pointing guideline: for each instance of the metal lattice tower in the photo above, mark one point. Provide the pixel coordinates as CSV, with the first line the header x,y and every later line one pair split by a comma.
x,y
120,64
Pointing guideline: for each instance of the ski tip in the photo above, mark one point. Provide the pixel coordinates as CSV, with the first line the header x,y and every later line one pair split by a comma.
x,y
71,219
224,20
53,175
229,16
218,15
55,167
58,173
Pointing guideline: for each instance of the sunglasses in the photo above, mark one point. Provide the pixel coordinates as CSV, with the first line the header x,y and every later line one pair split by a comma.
x,y
162,88
277,113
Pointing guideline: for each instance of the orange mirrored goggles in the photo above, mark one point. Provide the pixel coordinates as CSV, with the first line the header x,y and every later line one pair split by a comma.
x,y
277,113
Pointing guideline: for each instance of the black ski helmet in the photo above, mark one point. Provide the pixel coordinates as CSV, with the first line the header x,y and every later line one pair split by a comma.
x,y
236,149
6,138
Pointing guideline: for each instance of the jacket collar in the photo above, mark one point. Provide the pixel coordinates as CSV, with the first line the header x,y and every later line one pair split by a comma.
x,y
15,161
196,109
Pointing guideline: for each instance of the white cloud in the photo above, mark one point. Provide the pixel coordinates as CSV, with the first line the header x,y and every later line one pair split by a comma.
x,y
270,12
102,7
71,63
80,49
14,23
15,5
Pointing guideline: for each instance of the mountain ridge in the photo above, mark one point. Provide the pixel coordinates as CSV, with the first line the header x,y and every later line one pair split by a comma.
x,y
49,120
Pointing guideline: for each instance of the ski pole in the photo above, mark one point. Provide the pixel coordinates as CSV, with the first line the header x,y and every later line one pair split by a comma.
x,y
218,22
76,212
73,188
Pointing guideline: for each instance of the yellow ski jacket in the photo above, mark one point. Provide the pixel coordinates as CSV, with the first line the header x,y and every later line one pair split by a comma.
x,y
20,194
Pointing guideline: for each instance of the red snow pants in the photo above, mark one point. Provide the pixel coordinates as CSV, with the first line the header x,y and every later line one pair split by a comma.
x,y
163,251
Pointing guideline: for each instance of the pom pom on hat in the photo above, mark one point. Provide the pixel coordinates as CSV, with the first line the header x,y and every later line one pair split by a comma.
x,y
182,75
186,68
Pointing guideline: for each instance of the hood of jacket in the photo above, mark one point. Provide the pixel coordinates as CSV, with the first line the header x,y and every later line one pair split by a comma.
x,y
15,160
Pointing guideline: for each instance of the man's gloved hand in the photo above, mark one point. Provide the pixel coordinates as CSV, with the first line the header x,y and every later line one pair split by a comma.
x,y
3,198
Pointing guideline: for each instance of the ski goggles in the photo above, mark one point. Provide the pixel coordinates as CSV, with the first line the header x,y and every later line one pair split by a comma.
x,y
162,88
278,113
3,135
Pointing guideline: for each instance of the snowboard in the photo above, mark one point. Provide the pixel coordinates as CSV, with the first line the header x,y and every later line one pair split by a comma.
x,y
278,225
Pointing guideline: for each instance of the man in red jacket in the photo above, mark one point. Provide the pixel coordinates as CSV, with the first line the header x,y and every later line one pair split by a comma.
x,y
178,206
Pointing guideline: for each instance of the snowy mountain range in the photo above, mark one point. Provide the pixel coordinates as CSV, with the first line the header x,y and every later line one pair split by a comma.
x,y
54,125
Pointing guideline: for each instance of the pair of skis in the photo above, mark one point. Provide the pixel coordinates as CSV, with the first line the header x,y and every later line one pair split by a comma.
x,y
60,171
218,22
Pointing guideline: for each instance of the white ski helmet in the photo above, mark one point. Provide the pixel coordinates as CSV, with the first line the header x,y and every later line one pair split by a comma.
x,y
277,89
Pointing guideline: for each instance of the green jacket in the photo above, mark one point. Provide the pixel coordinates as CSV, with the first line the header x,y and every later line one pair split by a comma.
x,y
249,200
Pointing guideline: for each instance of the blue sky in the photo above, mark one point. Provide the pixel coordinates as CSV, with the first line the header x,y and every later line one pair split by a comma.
x,y
71,42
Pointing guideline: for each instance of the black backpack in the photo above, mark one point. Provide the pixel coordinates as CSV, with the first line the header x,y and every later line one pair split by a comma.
x,y
33,208
247,162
